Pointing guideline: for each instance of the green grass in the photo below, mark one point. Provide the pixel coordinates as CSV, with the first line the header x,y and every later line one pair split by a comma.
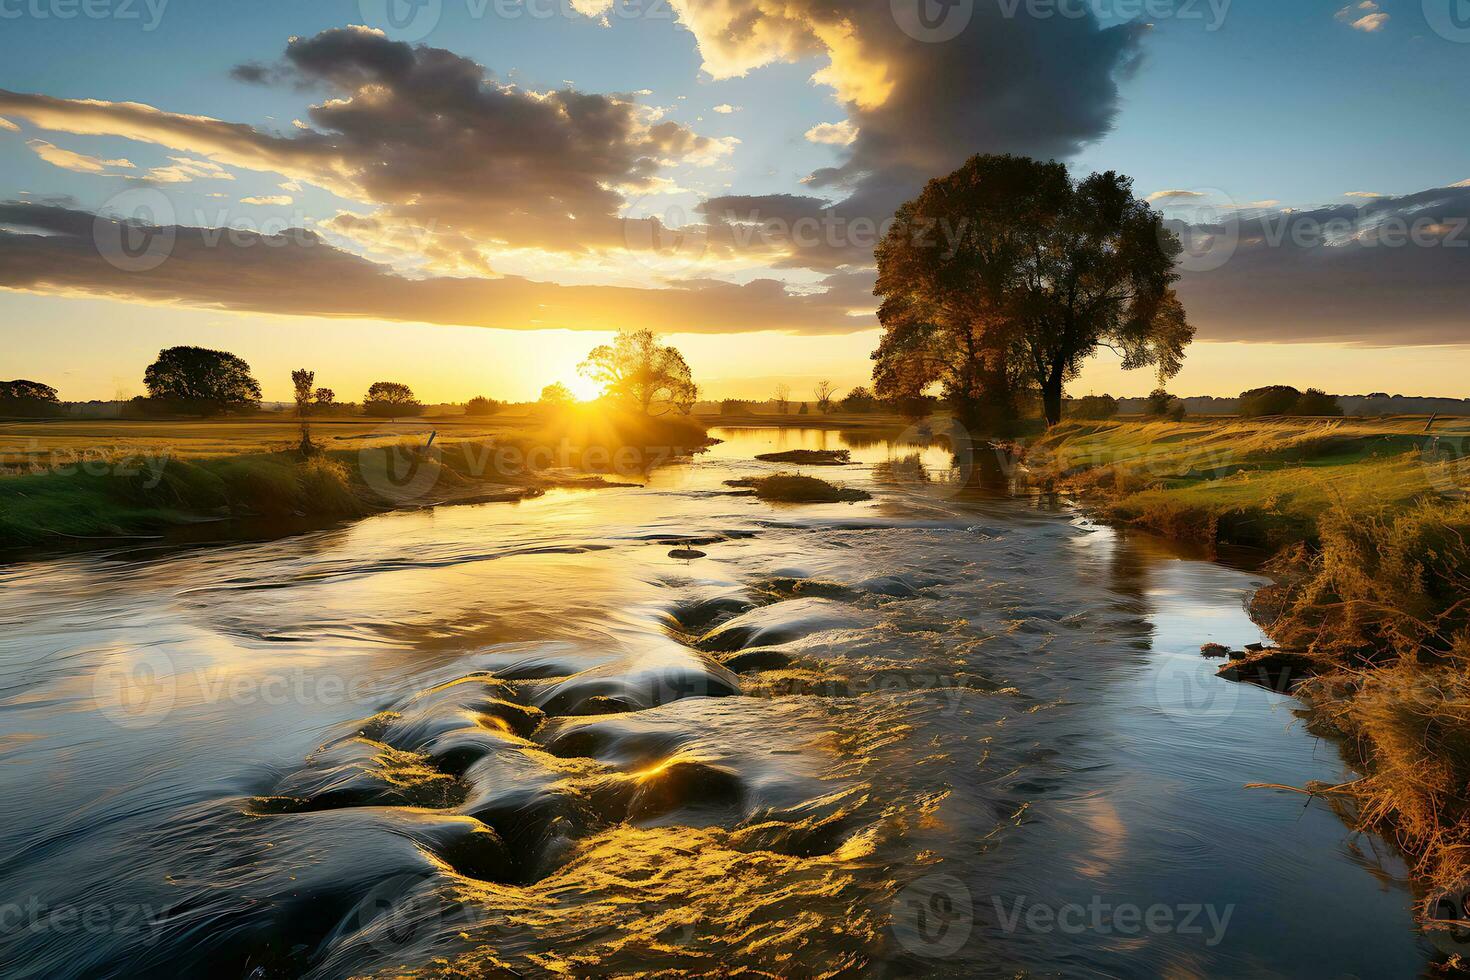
x,y
1264,483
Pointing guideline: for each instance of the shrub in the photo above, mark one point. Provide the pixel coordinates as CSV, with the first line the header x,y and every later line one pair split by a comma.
x,y
1270,400
1315,401
1161,404
480,405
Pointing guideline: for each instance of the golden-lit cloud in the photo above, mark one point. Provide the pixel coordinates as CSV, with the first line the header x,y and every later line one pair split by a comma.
x,y
70,160
836,134
1366,16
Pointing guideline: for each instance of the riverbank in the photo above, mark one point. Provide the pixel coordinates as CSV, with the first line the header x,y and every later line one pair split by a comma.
x,y
1369,536
71,481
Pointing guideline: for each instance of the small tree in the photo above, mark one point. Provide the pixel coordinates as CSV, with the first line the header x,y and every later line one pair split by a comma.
x,y
480,405
205,380
801,408
325,398
390,399
1160,404
304,384
635,368
783,397
824,392
556,395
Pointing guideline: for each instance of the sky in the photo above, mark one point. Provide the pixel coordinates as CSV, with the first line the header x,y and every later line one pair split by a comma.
x,y
467,195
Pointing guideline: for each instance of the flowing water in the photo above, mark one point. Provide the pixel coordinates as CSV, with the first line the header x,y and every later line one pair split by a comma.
x,y
944,731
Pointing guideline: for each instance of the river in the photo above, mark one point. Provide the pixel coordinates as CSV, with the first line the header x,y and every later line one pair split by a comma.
x,y
965,734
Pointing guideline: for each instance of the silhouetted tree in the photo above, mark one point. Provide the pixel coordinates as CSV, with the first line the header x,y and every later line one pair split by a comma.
x,y
1160,404
1270,400
1315,401
22,397
390,399
859,399
303,382
635,368
1008,270
824,392
783,398
205,380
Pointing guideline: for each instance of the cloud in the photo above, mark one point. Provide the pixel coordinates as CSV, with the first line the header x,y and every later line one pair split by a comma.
x,y
299,273
185,169
835,134
1392,271
8,126
431,138
272,199
1040,86
1367,194
1157,196
725,108
70,160
1365,16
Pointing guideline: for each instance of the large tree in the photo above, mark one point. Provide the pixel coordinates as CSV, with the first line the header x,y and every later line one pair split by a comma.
x,y
637,369
208,380
1009,273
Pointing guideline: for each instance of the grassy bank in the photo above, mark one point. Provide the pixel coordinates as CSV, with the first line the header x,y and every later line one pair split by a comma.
x,y
1369,533
68,481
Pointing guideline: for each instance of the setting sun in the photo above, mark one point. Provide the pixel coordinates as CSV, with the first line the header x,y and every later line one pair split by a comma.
x,y
583,389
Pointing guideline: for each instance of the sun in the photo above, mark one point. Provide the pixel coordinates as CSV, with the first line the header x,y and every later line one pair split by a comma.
x,y
584,389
